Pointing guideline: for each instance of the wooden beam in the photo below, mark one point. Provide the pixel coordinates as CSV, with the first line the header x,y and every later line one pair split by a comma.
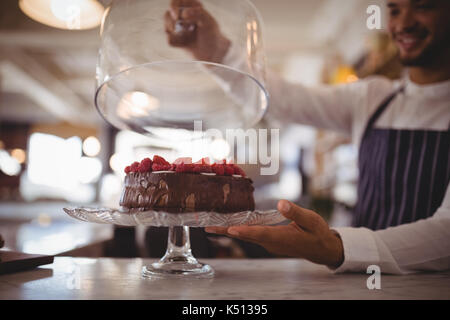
x,y
50,40
19,81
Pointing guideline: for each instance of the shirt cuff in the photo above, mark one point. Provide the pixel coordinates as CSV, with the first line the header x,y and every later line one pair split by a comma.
x,y
360,249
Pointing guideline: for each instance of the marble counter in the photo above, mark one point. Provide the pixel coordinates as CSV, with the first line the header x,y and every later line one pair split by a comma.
x,y
271,279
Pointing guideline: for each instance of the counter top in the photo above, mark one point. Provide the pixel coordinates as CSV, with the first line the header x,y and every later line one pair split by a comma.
x,y
259,279
44,228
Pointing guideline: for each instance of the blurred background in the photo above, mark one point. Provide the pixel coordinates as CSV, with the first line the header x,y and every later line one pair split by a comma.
x,y
56,151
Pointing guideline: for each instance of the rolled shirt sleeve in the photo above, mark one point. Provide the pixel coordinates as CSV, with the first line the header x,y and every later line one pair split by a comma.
x,y
342,108
326,107
423,245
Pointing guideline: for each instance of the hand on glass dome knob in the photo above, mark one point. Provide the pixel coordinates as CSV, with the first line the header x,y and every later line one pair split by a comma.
x,y
190,26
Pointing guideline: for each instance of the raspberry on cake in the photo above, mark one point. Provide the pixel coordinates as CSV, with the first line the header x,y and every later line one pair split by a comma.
x,y
183,186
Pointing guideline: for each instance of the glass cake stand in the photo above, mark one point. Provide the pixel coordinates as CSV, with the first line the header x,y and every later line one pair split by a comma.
x,y
178,260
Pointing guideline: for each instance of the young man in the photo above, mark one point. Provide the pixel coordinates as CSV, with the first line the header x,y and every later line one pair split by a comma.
x,y
402,217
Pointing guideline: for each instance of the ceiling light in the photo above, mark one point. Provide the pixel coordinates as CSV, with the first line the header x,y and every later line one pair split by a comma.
x,y
19,155
137,104
64,14
91,146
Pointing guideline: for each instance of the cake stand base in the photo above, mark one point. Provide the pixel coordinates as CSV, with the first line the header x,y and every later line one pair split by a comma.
x,y
178,262
178,270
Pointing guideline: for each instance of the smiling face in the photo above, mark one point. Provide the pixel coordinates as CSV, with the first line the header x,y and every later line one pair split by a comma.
x,y
421,30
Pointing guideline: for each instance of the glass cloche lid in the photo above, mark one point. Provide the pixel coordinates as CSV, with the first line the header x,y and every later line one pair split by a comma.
x,y
165,64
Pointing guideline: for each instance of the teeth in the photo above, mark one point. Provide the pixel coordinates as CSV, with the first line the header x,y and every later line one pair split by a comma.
x,y
408,40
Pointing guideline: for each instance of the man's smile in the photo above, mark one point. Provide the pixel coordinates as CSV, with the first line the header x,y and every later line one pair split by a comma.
x,y
409,42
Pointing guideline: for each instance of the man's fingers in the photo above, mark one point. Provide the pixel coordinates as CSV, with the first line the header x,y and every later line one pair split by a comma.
x,y
188,3
198,16
191,14
248,233
257,234
178,6
190,11
266,236
175,9
191,3
306,219
217,230
169,23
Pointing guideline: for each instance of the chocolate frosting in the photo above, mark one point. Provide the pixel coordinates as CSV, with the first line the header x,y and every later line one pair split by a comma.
x,y
187,192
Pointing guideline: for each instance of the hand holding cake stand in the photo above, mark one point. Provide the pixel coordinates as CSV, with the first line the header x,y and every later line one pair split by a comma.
x,y
164,65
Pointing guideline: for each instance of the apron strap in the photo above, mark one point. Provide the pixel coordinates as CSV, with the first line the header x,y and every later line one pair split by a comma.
x,y
381,108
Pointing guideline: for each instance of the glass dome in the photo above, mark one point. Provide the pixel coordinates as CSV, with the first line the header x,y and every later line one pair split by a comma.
x,y
165,64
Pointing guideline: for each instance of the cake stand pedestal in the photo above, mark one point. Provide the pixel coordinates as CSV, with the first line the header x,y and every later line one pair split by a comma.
x,y
178,260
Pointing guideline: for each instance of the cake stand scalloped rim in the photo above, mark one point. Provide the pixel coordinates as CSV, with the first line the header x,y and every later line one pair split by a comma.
x,y
164,219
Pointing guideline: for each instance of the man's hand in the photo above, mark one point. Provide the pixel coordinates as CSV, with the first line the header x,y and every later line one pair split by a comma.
x,y
307,236
190,26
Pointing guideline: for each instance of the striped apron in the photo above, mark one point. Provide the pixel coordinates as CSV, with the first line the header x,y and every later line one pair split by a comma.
x,y
403,176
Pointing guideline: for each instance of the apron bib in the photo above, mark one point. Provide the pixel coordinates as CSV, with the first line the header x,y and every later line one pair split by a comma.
x,y
403,174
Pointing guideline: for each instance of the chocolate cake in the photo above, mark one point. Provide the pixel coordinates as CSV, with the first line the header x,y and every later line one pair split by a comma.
x,y
186,187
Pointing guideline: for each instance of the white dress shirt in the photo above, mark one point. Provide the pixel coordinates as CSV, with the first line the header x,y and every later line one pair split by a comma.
x,y
418,246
